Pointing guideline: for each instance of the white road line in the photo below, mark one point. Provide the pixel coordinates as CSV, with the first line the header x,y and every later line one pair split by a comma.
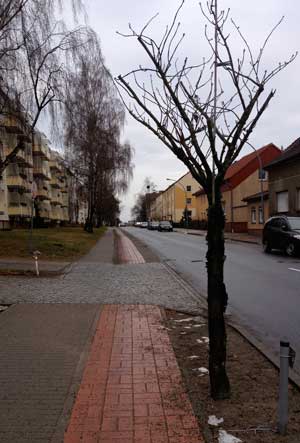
x,y
293,269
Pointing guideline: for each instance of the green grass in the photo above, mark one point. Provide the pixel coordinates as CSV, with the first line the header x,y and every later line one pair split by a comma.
x,y
65,244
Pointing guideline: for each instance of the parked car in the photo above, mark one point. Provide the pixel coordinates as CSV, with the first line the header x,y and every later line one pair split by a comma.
x,y
282,232
153,225
165,226
144,224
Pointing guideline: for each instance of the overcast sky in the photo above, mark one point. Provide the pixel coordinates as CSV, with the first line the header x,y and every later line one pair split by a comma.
x,y
281,122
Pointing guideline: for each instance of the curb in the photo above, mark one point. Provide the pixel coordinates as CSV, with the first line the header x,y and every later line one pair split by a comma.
x,y
252,242
294,378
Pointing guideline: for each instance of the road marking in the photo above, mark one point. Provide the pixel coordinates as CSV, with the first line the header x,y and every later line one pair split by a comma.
x,y
294,269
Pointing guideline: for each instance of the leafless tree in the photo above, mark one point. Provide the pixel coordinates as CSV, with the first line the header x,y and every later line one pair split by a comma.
x,y
176,101
94,117
34,49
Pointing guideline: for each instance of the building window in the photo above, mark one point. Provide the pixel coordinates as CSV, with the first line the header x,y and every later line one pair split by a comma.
x,y
253,216
262,174
188,201
188,188
260,215
282,201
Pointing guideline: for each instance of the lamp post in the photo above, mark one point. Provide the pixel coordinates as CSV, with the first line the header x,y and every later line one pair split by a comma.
x,y
261,183
186,221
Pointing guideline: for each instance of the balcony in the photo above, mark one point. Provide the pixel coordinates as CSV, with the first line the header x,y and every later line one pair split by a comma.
x,y
41,172
56,198
16,182
41,150
55,182
43,194
55,166
45,210
12,124
56,213
15,210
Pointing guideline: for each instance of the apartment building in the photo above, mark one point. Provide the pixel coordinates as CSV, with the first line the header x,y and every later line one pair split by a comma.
x,y
34,184
172,203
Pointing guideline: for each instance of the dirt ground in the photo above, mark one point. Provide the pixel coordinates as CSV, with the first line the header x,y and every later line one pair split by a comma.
x,y
254,383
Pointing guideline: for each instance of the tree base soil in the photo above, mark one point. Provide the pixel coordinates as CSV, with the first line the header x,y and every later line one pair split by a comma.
x,y
251,413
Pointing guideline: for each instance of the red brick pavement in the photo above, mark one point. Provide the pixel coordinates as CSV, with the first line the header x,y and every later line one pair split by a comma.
x,y
132,391
128,253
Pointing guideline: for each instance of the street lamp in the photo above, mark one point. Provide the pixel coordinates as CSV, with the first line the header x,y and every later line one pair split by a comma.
x,y
261,183
186,221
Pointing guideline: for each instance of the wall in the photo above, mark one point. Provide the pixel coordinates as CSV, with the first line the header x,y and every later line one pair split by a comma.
x,y
285,177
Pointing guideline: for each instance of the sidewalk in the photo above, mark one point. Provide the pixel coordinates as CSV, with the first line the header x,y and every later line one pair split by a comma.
x,y
87,355
131,390
239,237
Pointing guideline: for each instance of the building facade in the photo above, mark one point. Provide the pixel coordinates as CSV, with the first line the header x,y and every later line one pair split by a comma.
x,y
244,179
34,184
172,203
284,181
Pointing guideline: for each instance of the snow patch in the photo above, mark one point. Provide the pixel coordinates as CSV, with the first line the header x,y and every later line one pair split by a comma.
x,y
201,370
227,438
214,421
192,357
184,319
204,340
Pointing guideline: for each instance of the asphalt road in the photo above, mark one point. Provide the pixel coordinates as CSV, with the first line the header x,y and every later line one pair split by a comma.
x,y
264,290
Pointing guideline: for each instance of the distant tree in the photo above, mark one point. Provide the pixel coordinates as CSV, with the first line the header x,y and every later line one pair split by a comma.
x,y
93,121
141,209
206,124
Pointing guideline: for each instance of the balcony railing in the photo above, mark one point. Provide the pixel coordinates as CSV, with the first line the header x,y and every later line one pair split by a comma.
x,y
42,172
41,150
43,194
55,166
15,210
16,182
55,182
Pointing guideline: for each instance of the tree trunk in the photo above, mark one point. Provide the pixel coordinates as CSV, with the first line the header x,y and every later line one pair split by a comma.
x,y
217,300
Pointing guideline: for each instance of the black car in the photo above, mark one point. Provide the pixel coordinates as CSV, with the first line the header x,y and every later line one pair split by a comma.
x,y
282,232
165,226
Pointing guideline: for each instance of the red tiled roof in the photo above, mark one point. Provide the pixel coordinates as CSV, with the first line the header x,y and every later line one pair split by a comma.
x,y
241,169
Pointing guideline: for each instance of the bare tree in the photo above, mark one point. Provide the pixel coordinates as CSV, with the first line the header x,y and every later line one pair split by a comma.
x,y
141,209
205,124
94,117
34,50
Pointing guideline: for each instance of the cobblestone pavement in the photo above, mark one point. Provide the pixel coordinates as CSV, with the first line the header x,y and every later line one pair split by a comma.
x,y
132,390
149,283
40,347
94,282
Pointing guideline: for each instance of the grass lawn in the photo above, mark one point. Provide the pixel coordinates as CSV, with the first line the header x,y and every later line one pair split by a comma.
x,y
64,244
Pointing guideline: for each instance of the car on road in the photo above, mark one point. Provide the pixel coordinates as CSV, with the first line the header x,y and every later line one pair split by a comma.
x,y
165,225
153,225
144,224
282,232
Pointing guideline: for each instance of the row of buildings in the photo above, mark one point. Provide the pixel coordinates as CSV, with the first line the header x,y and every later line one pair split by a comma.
x,y
36,184
260,184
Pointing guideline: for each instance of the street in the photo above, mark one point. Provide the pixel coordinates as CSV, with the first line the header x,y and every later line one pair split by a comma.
x,y
263,289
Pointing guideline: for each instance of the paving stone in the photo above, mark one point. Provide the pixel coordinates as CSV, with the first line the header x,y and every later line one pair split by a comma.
x,y
147,412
